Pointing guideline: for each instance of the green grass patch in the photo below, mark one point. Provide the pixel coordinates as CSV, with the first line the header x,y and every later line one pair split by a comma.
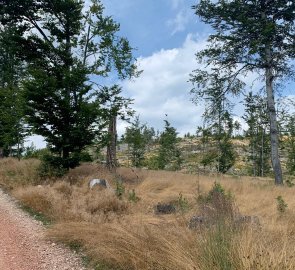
x,y
36,215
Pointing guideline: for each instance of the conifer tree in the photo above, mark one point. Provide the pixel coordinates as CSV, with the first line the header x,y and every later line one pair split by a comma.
x,y
136,138
250,36
12,71
169,156
258,133
68,52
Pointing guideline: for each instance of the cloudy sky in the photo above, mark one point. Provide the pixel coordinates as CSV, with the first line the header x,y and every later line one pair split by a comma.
x,y
166,35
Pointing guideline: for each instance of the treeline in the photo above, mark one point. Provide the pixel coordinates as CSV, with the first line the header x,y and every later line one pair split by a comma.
x,y
141,139
55,57
215,143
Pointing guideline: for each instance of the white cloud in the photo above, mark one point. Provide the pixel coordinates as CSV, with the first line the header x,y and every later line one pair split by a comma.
x,y
181,20
163,88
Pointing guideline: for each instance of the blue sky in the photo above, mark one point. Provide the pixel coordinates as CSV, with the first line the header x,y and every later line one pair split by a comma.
x,y
166,34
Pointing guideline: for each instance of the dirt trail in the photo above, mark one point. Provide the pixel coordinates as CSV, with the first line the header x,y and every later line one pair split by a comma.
x,y
23,245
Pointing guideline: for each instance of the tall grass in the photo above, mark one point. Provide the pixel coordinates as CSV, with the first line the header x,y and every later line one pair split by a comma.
x,y
118,234
14,173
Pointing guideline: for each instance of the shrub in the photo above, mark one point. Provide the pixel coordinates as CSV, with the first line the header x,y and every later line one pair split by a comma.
x,y
132,197
182,203
84,156
56,166
289,182
120,189
152,163
281,204
217,204
51,166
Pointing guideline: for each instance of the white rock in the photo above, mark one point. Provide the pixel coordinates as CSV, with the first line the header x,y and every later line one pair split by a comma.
x,y
101,182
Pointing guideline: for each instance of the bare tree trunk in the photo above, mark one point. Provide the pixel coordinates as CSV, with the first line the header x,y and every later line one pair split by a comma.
x,y
274,133
111,147
262,151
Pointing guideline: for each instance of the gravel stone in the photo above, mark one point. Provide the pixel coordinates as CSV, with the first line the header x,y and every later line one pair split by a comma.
x,y
23,245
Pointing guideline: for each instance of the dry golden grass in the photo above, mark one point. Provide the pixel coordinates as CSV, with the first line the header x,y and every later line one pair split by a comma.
x,y
127,235
14,173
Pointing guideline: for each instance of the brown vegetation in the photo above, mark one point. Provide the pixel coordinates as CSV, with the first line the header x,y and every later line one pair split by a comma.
x,y
121,234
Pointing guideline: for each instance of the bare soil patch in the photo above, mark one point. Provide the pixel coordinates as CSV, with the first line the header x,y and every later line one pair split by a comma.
x,y
23,245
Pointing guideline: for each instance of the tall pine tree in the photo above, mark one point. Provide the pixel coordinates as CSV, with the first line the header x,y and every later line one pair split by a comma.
x,y
12,71
250,36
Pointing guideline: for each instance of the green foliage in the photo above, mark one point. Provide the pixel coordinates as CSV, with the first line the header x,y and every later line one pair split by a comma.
x,y
73,47
138,137
152,163
227,155
56,166
218,204
120,189
217,145
281,205
217,248
257,118
169,156
183,203
209,158
37,215
248,37
132,197
289,182
12,71
217,243
84,156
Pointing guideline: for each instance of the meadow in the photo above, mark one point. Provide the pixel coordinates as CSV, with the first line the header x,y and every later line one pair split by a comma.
x,y
120,228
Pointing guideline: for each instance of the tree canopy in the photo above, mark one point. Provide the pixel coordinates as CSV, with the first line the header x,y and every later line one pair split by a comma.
x,y
68,50
249,36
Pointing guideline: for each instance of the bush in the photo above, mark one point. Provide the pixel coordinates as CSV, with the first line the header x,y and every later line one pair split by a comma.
x,y
132,197
85,157
182,203
152,163
56,166
217,204
281,204
51,166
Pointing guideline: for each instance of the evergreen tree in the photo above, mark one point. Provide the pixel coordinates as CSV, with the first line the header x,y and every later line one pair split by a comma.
x,y
138,137
12,70
169,156
258,133
219,121
71,52
250,36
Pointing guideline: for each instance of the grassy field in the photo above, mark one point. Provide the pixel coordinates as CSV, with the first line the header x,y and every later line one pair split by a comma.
x,y
127,234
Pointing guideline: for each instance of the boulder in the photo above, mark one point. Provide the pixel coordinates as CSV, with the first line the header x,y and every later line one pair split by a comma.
x,y
98,182
165,208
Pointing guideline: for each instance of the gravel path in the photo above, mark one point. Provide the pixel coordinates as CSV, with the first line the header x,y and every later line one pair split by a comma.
x,y
23,245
